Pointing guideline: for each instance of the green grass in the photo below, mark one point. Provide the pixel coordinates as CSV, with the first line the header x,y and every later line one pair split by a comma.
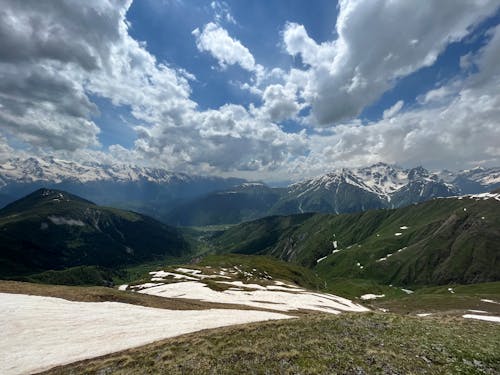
x,y
317,344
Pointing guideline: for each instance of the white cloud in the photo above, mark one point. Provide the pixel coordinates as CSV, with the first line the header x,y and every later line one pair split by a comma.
x,y
390,112
222,12
372,52
455,127
228,51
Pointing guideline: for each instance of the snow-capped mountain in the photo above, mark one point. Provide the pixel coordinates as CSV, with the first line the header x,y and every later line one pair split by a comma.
x,y
476,180
56,170
184,199
152,191
359,189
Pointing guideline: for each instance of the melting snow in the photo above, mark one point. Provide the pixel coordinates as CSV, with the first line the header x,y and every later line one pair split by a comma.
x,y
43,332
264,297
123,287
371,296
59,220
479,311
404,227
398,234
424,314
321,259
407,291
488,318
490,301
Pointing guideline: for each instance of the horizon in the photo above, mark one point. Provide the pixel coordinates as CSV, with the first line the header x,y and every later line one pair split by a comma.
x,y
268,91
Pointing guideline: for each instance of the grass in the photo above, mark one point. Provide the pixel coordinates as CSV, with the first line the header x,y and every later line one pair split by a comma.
x,y
369,343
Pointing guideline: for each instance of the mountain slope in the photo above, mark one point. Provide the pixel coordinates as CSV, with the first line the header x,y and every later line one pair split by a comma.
x,y
442,241
51,229
241,203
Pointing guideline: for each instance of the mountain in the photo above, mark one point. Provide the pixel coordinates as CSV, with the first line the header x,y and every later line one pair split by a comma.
x,y
341,191
152,191
241,203
447,240
52,229
477,180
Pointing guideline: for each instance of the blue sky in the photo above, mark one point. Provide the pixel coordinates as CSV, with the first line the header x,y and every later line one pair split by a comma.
x,y
259,89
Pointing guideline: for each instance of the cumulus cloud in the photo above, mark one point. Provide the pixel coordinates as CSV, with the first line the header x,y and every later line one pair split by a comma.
x,y
378,42
215,40
57,53
455,126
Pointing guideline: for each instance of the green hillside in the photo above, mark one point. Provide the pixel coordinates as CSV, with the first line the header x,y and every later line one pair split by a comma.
x,y
53,230
437,242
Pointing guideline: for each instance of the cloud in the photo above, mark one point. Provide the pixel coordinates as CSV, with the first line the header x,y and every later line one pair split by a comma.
x,y
378,42
222,12
57,53
228,51
456,126
390,112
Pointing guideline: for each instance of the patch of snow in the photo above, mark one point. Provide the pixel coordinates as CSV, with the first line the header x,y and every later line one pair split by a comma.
x,y
371,296
188,271
488,318
479,311
424,314
44,332
407,291
398,234
261,298
334,244
321,259
160,275
451,290
382,309
404,227
123,287
59,220
490,301
335,251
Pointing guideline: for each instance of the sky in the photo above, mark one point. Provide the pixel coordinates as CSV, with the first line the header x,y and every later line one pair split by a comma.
x,y
268,90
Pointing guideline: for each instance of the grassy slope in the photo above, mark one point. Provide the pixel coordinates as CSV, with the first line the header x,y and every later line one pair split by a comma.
x,y
445,244
31,242
317,344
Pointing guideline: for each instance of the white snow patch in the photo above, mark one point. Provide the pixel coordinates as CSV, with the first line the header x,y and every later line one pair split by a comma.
x,y
43,332
160,275
479,311
335,251
407,291
398,234
488,318
371,296
261,298
123,287
424,314
59,220
404,227
321,259
451,290
490,301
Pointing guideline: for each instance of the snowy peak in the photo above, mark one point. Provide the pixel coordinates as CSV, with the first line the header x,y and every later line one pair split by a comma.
x,y
56,170
380,179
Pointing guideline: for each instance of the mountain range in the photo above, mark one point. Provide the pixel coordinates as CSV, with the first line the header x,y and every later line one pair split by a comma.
x,y
188,200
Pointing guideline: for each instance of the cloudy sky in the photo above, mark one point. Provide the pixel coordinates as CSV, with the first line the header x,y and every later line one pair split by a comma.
x,y
273,90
